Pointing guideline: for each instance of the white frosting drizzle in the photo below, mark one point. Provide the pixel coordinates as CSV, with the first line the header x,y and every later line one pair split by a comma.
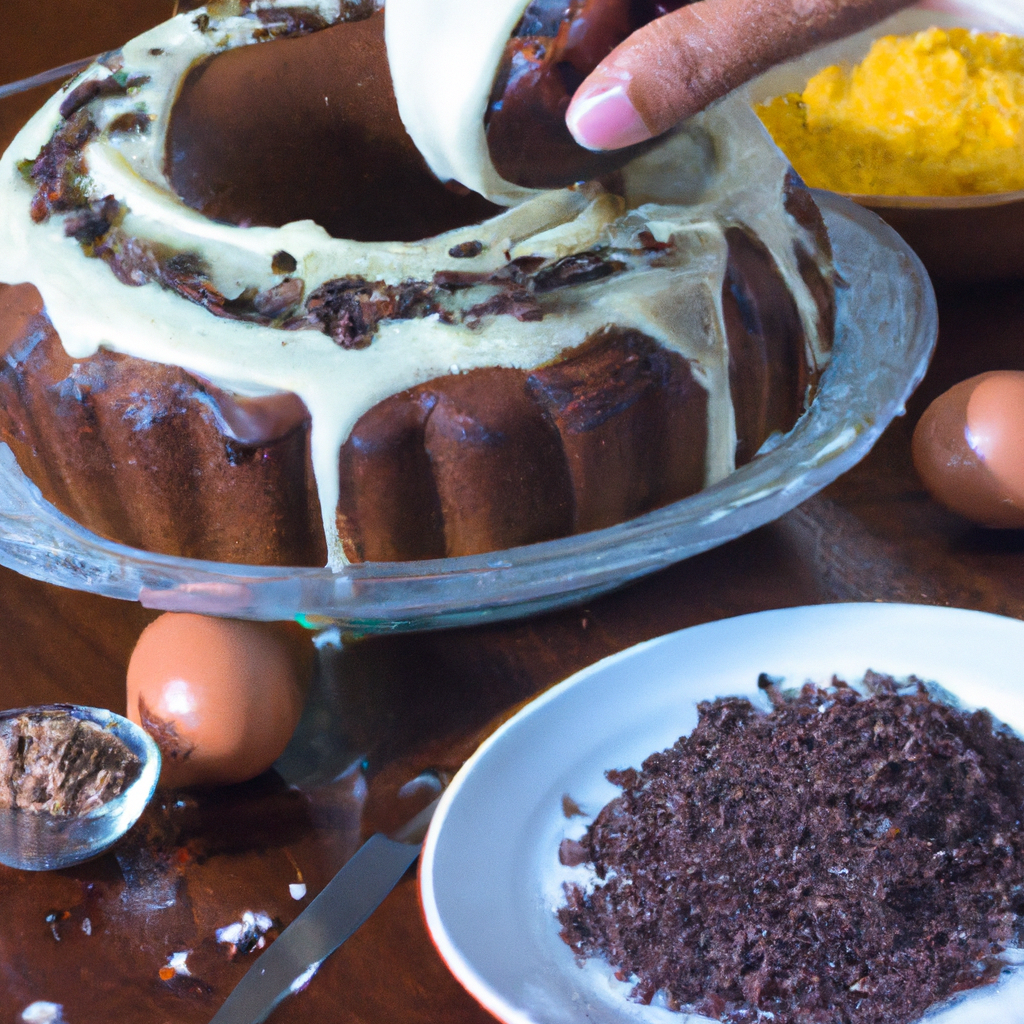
x,y
443,62
735,178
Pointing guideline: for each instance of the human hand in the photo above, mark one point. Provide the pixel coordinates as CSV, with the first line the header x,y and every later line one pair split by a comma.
x,y
676,65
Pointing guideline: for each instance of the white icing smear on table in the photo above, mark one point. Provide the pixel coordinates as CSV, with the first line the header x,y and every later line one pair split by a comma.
x,y
736,177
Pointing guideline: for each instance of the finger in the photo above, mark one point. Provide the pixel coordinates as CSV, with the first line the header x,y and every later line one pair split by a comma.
x,y
676,65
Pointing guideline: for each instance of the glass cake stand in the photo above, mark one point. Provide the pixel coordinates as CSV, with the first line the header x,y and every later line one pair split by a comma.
x,y
887,327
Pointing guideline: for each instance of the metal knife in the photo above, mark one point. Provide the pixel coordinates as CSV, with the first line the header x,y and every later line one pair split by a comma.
x,y
345,903
45,77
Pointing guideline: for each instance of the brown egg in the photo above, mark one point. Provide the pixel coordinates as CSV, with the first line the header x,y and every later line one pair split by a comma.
x,y
969,448
221,697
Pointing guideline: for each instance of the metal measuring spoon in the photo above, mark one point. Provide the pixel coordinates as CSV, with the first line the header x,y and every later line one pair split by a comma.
x,y
78,821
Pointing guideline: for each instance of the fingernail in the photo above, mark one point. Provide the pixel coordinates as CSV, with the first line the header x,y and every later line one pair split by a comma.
x,y
605,119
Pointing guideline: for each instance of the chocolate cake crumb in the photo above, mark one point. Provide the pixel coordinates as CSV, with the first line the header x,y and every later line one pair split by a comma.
x,y
570,808
843,858
88,91
514,302
134,121
281,299
116,84
466,250
571,853
59,169
647,241
453,280
52,762
350,308
283,263
579,268
89,224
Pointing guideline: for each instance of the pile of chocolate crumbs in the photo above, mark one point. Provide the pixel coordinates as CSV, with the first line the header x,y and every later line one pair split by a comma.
x,y
52,762
844,859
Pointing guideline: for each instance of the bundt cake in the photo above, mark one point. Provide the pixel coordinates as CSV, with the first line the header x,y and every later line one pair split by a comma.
x,y
272,298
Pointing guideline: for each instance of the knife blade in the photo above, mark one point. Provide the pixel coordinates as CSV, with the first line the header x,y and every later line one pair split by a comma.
x,y
341,907
45,77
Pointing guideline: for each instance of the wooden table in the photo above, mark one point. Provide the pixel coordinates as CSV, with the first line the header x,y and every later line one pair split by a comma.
x,y
97,939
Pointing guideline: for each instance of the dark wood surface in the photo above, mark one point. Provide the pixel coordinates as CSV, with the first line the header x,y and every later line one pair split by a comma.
x,y
95,938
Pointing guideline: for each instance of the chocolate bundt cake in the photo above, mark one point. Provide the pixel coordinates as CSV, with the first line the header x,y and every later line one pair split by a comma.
x,y
267,305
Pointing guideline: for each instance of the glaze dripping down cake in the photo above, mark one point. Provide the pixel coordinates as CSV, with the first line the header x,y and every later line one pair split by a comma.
x,y
237,334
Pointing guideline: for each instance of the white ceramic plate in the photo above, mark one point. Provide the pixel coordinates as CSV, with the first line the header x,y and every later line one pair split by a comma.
x,y
490,878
